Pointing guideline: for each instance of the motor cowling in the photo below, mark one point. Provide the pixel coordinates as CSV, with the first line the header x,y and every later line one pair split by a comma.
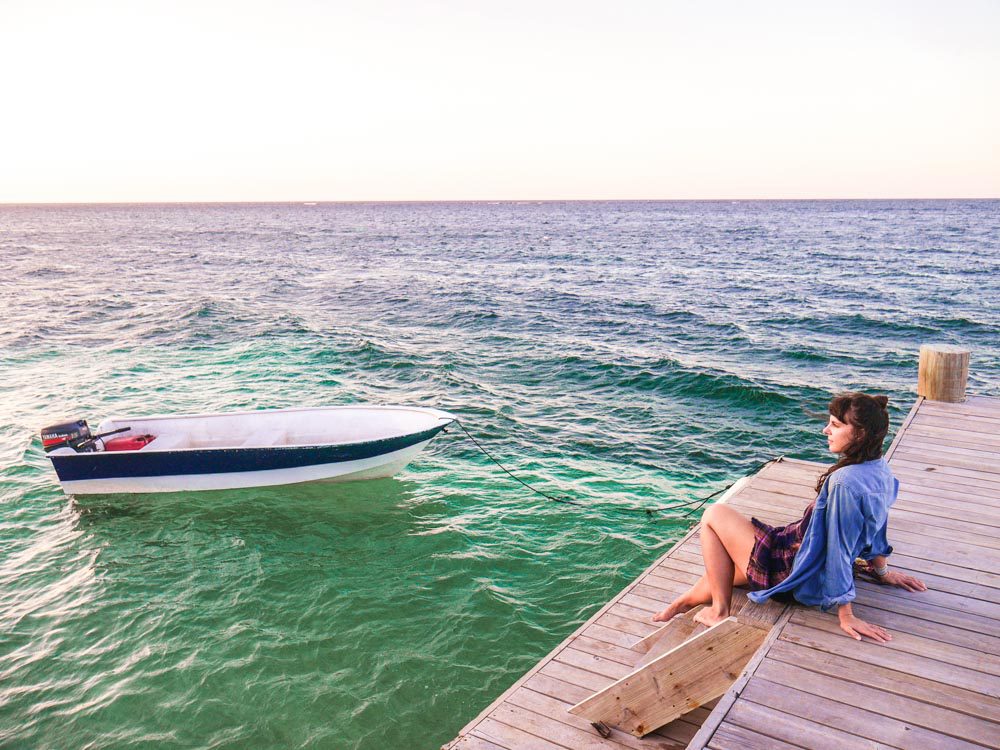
x,y
75,435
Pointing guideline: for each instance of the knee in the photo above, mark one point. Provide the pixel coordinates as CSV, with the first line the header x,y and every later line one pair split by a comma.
x,y
711,515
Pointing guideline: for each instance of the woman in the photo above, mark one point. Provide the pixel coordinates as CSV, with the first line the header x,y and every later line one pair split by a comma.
x,y
812,559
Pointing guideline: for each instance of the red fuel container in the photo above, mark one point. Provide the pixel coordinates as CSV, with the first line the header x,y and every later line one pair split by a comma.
x,y
129,443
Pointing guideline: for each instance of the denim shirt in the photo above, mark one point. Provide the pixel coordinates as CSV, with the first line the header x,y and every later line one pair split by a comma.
x,y
848,521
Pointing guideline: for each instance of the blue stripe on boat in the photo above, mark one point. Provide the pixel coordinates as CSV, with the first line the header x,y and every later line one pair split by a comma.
x,y
111,465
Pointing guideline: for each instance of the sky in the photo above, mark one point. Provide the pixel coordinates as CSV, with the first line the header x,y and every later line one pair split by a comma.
x,y
523,100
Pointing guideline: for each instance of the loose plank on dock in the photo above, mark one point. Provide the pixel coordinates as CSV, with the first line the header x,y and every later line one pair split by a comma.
x,y
936,685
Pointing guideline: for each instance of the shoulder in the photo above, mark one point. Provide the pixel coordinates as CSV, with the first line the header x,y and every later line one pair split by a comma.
x,y
846,478
861,474
869,486
860,477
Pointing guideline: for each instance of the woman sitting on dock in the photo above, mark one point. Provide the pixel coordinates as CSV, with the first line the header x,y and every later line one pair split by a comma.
x,y
810,561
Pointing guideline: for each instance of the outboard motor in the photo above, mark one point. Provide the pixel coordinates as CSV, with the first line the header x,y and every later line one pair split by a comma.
x,y
75,435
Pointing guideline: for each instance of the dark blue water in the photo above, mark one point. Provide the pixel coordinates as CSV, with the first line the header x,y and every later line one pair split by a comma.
x,y
622,354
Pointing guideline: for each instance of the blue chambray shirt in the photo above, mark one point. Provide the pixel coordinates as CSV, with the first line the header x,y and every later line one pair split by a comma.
x,y
848,521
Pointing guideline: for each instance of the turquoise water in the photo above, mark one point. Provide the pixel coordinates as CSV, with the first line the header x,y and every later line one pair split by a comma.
x,y
626,355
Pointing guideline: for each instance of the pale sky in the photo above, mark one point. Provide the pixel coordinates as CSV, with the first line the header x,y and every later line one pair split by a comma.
x,y
210,100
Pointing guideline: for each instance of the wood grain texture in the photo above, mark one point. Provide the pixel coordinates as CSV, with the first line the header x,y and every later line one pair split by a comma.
x,y
943,372
698,670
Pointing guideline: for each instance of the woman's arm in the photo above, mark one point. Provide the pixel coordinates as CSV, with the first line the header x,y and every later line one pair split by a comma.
x,y
857,628
845,524
892,578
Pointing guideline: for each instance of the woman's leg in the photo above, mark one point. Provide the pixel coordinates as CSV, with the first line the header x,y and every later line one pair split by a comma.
x,y
727,538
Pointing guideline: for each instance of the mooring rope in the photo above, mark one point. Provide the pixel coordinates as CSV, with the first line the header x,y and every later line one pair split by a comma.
x,y
693,506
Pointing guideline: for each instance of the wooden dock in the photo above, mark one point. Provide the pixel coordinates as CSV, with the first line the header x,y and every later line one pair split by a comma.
x,y
935,685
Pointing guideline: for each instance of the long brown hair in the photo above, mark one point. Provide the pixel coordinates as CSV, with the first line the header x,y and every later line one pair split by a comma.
x,y
869,417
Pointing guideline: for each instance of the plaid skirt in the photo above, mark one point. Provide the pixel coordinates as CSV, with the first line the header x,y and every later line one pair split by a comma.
x,y
774,551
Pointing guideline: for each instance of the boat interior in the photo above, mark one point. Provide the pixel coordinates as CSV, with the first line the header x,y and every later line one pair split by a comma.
x,y
286,427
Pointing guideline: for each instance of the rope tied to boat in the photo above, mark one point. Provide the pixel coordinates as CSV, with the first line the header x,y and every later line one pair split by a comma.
x,y
693,506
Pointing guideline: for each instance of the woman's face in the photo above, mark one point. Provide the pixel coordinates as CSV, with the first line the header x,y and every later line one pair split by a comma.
x,y
838,435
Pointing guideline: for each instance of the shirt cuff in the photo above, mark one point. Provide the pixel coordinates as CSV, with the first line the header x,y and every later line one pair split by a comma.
x,y
829,602
869,556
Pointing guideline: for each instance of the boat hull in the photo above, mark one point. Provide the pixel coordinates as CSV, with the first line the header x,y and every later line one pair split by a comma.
x,y
219,468
375,467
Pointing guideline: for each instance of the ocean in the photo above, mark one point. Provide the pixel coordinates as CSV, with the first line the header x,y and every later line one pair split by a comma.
x,y
625,355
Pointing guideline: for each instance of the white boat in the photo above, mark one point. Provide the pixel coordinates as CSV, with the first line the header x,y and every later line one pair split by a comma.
x,y
239,449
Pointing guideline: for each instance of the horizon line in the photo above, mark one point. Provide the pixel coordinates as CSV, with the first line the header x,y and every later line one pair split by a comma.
x,y
469,200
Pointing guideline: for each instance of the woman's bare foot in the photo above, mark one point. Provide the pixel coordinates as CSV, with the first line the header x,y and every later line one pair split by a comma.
x,y
677,606
710,616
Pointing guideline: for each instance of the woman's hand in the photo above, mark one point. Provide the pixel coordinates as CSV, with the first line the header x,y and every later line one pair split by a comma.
x,y
856,627
909,583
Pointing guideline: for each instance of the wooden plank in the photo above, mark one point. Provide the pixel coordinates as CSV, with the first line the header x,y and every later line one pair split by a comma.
x,y
694,672
574,729
966,496
674,632
959,566
625,656
918,607
975,583
794,491
964,418
938,598
678,569
735,737
470,742
922,663
896,622
641,619
910,643
978,426
601,632
901,707
928,521
771,724
984,517
789,470
973,406
926,474
930,527
930,482
598,665
552,730
650,606
574,675
927,545
850,718
658,593
622,618
942,467
851,671
953,439
984,453
511,737
937,428
676,732
657,589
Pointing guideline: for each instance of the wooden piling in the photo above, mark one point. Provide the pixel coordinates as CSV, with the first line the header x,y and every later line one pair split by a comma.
x,y
943,373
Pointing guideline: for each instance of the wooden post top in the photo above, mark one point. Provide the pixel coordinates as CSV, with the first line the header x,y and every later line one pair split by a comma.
x,y
943,372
